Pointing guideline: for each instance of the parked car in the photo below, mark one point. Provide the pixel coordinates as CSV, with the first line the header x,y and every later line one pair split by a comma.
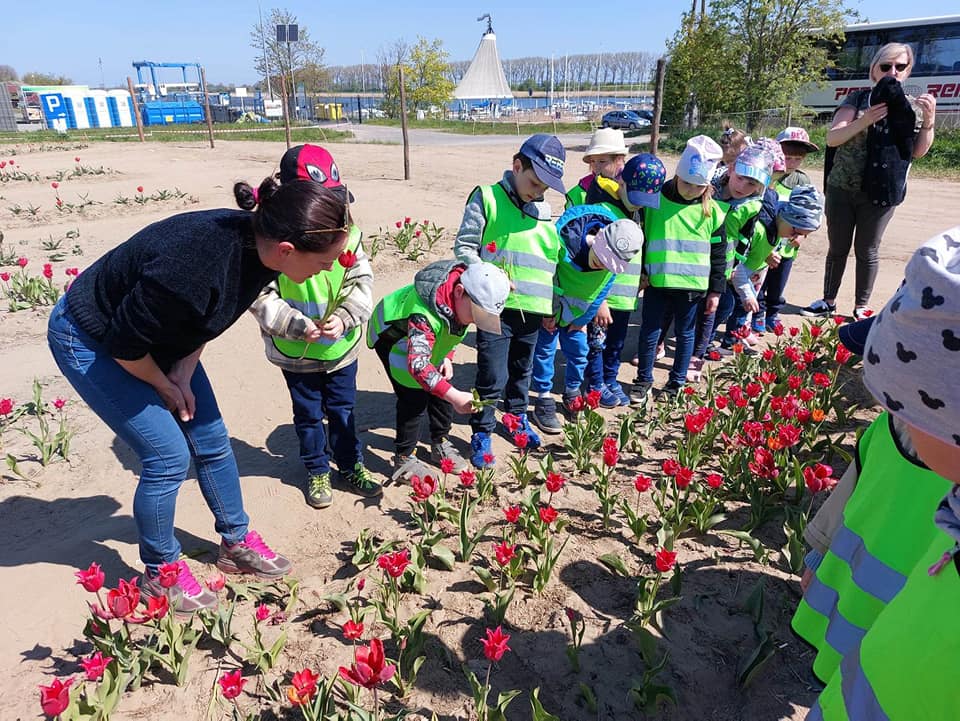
x,y
629,119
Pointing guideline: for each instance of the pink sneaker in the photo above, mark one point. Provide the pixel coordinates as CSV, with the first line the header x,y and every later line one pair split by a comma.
x,y
252,556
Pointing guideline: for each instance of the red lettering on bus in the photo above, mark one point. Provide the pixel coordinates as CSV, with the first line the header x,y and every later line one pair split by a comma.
x,y
950,91
841,91
934,89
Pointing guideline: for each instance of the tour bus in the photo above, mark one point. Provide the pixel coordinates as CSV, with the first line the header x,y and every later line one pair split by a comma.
x,y
936,69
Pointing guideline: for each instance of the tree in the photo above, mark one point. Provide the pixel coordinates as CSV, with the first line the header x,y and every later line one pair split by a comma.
x,y
276,60
746,56
426,77
7,73
45,79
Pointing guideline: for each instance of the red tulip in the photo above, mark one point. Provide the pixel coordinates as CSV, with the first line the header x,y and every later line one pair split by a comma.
x,y
95,665
610,458
231,684
593,399
512,514
642,483
689,390
22,262
262,612
122,601
822,380
423,488
670,467
720,402
447,465
54,185
368,669
714,480
417,234
399,224
360,584
768,355
303,688
842,355
347,259
577,404
768,377
511,422
4,276
59,403
753,389
92,578
815,331
157,608
55,698
352,630
495,644
819,478
504,553
216,583
406,221
72,271
168,574
139,188
665,560
394,563
684,477
548,514
806,395
76,160
555,482
489,459
521,440
714,355
467,478
778,329
737,348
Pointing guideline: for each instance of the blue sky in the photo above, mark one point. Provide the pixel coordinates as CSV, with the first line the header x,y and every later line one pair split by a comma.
x,y
68,37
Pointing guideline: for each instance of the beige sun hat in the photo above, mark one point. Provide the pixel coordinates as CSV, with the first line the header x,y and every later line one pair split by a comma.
x,y
605,141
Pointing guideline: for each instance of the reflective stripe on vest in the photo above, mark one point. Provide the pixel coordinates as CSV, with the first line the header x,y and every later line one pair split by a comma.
x,y
393,312
677,239
887,523
579,289
526,249
626,285
783,193
905,668
310,298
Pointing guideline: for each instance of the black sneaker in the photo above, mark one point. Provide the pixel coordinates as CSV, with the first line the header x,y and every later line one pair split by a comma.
x,y
818,309
544,415
640,392
359,481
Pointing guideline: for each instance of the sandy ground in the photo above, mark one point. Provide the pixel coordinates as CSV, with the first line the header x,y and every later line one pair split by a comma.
x,y
81,512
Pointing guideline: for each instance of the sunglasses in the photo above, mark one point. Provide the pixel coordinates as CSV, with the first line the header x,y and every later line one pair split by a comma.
x,y
885,67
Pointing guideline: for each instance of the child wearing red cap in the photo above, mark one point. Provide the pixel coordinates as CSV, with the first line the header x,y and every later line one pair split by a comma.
x,y
315,340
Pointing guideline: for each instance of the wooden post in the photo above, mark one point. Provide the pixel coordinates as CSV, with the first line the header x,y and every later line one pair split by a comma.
x,y
286,113
657,106
206,105
403,125
136,108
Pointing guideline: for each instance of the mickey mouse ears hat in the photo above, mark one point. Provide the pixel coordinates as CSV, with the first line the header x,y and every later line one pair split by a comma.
x,y
914,344
311,162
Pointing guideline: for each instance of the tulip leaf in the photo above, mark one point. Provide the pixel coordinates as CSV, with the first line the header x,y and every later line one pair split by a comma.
x,y
539,713
589,697
764,651
614,563
444,556
337,600
486,578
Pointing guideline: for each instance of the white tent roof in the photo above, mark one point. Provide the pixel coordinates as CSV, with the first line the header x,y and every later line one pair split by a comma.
x,y
484,79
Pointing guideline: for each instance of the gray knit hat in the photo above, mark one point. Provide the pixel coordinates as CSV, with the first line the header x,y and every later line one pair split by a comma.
x,y
913,347
803,209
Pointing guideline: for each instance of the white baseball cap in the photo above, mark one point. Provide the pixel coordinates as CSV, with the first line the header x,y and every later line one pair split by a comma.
x,y
487,287
617,243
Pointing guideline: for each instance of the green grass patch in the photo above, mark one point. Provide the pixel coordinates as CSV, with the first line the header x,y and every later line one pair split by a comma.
x,y
181,133
485,127
943,160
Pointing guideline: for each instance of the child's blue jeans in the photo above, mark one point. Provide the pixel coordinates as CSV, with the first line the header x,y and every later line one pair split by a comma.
x,y
573,344
657,302
164,444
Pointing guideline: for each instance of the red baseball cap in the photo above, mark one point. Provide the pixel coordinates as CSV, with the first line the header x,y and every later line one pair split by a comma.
x,y
310,162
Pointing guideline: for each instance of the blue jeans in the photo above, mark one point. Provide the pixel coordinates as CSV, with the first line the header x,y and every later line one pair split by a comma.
x,y
330,395
603,367
574,347
504,364
771,294
164,444
657,302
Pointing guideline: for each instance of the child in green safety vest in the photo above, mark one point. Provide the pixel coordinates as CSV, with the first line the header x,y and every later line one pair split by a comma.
x,y
684,262
414,331
639,187
605,155
896,604
597,247
509,224
795,144
312,331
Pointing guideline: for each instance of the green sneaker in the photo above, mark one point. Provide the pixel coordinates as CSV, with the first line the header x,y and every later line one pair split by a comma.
x,y
319,494
360,481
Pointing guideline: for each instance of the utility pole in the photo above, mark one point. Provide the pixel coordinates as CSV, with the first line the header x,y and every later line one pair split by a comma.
x,y
657,106
266,60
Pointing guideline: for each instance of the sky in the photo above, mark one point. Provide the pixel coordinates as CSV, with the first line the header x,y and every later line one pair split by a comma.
x,y
71,38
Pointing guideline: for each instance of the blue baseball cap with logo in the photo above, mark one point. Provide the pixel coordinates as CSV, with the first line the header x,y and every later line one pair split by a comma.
x,y
547,156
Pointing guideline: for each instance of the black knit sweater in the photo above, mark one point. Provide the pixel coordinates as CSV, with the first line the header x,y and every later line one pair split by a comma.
x,y
172,287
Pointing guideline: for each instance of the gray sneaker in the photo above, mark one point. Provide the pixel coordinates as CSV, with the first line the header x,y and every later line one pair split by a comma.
x,y
544,415
445,449
185,596
252,556
406,467
319,493
640,393
360,481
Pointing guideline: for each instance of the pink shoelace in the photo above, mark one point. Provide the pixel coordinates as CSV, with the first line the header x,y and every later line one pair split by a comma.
x,y
186,581
254,541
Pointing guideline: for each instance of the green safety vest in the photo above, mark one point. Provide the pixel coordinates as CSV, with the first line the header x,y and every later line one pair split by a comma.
x,y
677,238
579,289
526,249
759,249
390,317
737,244
575,196
783,193
905,669
887,524
311,298
626,285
